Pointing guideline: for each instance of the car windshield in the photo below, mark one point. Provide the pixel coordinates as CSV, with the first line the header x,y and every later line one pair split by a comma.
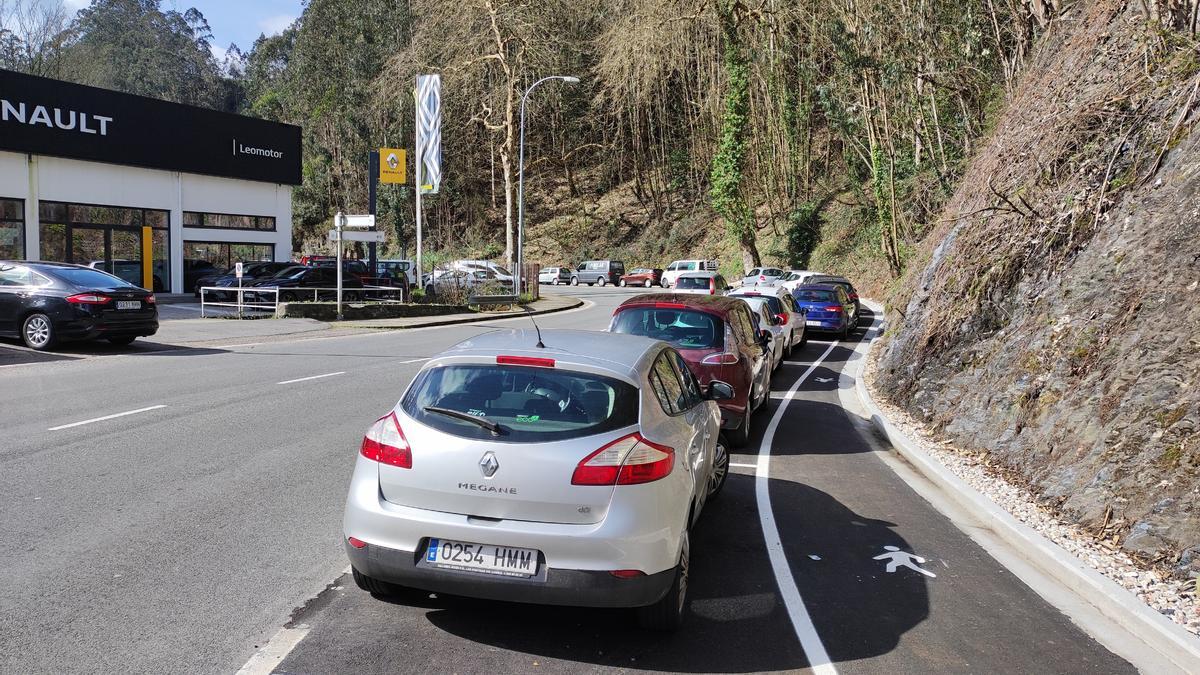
x,y
529,404
683,328
773,303
756,302
693,283
89,278
814,295
291,272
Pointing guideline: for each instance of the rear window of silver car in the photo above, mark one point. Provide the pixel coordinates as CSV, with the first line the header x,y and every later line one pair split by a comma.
x,y
683,328
693,283
530,404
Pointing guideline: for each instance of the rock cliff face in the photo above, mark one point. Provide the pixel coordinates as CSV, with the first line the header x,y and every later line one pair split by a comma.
x,y
1053,318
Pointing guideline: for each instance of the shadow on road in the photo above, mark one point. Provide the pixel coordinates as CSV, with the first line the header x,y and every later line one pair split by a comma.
x,y
77,350
736,620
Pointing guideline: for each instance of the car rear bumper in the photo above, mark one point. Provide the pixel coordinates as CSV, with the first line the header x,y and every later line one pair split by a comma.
x,y
826,326
550,586
93,329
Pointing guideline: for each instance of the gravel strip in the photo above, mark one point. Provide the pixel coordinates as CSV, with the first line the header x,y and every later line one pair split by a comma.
x,y
1171,597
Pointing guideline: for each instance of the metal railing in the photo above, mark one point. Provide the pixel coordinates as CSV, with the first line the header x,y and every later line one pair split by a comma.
x,y
268,298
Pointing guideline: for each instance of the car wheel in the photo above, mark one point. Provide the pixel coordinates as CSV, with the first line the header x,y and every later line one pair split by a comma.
x,y
665,284
623,284
554,282
649,283
122,341
376,587
720,469
740,437
667,613
602,281
37,331
574,281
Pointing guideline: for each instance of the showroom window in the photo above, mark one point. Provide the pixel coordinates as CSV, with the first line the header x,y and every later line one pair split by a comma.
x,y
108,238
223,255
225,221
12,229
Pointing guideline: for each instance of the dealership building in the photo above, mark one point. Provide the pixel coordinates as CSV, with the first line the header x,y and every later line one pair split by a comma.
x,y
154,192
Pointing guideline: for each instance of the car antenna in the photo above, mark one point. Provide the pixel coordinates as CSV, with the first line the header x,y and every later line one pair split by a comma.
x,y
539,344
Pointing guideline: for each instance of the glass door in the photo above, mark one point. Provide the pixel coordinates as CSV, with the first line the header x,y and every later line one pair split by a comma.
x,y
88,247
125,255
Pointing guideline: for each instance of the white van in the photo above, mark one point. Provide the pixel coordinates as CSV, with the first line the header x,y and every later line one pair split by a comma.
x,y
672,272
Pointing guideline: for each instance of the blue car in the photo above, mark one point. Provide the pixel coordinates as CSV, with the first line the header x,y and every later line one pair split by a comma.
x,y
830,309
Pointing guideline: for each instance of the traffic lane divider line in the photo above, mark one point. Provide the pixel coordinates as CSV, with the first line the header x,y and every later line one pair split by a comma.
x,y
806,632
106,417
312,377
743,466
1166,640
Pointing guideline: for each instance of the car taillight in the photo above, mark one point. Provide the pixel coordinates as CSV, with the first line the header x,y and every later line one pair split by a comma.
x,y
782,316
832,308
627,574
385,443
630,460
150,299
88,299
722,359
854,296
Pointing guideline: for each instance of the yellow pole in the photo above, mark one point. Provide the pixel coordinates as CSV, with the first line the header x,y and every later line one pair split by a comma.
x,y
148,258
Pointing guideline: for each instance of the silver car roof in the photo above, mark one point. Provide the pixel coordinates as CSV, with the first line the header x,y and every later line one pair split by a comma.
x,y
610,353
699,275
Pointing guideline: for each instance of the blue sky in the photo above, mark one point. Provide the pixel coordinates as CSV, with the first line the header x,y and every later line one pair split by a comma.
x,y
233,21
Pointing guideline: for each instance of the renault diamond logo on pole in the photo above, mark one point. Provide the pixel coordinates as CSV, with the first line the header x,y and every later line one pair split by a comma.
x,y
489,464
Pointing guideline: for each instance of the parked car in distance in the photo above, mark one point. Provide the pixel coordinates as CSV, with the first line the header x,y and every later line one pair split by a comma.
x,y
642,276
845,284
565,475
495,270
356,268
762,275
250,272
317,260
678,267
390,270
829,309
600,272
129,270
783,308
796,278
46,303
717,338
701,283
766,320
554,275
461,279
293,281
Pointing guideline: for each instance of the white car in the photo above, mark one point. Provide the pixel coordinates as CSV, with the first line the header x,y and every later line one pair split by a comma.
x,y
791,317
796,278
568,474
762,276
701,283
678,267
761,311
501,273
554,275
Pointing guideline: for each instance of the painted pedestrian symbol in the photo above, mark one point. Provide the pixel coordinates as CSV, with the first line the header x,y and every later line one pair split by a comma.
x,y
897,558
824,379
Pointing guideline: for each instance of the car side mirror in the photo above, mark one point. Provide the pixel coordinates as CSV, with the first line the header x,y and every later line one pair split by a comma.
x,y
719,391
765,337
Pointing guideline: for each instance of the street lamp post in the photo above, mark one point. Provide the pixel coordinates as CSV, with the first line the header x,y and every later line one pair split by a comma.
x,y
517,273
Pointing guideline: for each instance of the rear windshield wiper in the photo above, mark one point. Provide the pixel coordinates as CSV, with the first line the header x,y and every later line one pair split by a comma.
x,y
466,417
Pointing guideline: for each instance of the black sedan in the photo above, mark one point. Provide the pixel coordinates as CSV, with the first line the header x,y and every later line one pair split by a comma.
x,y
250,272
306,283
44,303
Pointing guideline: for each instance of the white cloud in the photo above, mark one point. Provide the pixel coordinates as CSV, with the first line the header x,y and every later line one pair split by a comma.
x,y
76,5
274,25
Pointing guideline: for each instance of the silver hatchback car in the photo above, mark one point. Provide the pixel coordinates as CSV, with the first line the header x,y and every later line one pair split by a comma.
x,y
568,474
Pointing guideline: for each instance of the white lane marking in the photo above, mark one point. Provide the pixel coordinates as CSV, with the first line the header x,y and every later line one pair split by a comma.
x,y
802,623
744,466
106,417
270,655
311,377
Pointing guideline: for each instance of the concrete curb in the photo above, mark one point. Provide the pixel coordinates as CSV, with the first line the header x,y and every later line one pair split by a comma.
x,y
576,302
1171,641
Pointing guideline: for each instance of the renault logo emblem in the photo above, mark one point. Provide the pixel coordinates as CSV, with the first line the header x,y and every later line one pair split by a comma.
x,y
489,464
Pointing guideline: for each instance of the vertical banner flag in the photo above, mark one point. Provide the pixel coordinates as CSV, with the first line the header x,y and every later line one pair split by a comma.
x,y
429,131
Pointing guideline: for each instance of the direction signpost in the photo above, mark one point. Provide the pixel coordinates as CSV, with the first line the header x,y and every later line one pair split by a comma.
x,y
340,222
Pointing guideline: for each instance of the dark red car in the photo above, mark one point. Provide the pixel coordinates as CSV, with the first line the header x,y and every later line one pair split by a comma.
x,y
717,338
642,276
